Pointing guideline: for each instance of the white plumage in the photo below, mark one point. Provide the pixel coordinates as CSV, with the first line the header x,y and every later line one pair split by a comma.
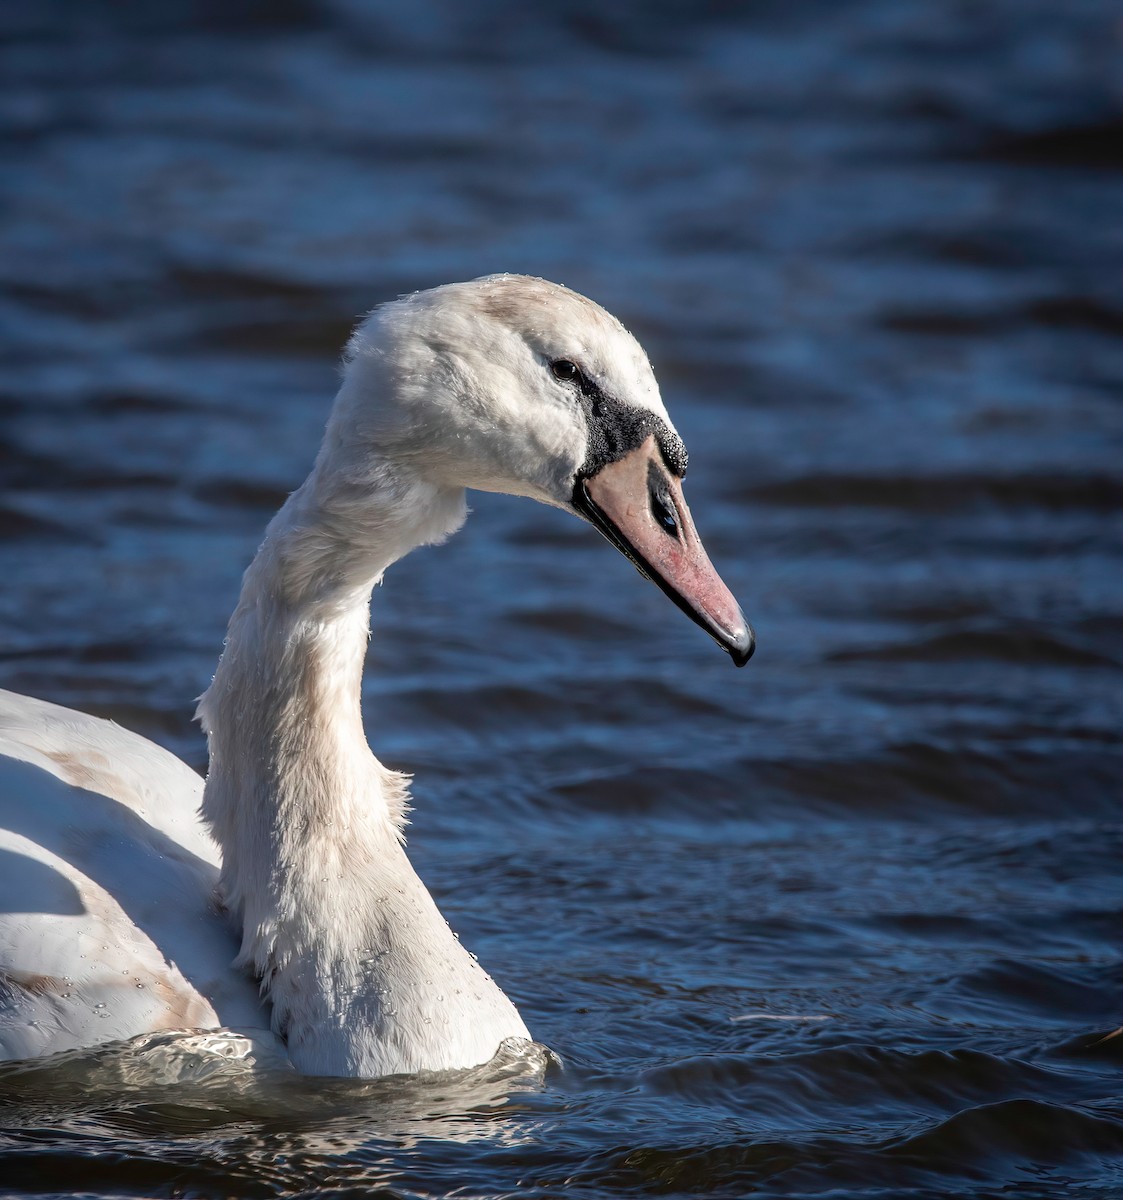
x,y
289,903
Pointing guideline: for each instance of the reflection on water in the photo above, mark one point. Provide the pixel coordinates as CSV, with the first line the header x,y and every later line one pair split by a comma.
x,y
222,1076
234,1110
873,250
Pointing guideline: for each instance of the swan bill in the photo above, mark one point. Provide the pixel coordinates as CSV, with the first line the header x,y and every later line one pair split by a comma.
x,y
639,507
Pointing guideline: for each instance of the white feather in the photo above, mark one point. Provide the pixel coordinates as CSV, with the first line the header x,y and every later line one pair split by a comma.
x,y
123,913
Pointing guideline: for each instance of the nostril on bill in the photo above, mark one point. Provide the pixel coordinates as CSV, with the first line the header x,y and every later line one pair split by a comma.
x,y
664,515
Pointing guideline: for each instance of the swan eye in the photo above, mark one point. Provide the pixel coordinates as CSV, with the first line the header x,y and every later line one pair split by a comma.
x,y
564,370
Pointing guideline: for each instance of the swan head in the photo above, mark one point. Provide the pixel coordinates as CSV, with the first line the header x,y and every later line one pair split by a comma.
x,y
513,384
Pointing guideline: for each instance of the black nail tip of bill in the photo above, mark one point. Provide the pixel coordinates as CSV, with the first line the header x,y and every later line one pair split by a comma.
x,y
741,645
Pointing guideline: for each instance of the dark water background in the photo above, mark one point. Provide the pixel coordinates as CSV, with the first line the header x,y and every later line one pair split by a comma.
x,y
846,922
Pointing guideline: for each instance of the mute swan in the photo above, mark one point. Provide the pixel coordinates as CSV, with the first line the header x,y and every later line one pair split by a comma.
x,y
287,901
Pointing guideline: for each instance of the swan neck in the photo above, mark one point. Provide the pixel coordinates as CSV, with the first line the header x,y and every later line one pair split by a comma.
x,y
290,768
363,975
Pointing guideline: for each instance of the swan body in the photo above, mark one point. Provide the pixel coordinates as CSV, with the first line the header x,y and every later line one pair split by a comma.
x,y
107,920
279,898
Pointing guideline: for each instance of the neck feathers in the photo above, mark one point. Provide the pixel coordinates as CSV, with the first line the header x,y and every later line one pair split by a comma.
x,y
363,975
294,796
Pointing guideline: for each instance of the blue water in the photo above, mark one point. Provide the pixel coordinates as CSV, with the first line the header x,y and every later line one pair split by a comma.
x,y
844,922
